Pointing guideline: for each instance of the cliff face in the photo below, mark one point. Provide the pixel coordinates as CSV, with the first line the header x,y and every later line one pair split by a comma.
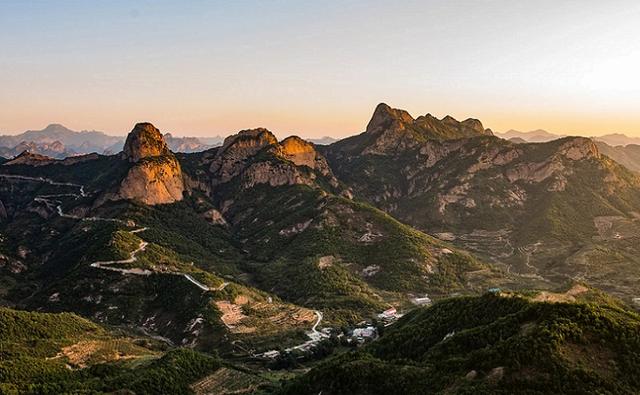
x,y
155,181
237,149
256,157
155,176
303,153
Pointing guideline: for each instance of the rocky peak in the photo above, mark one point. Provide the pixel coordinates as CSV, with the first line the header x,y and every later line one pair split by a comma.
x,y
27,158
293,145
144,141
157,181
237,149
303,153
474,125
56,127
448,119
250,141
577,148
385,117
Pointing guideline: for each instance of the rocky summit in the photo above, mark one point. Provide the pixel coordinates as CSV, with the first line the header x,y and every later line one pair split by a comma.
x,y
155,176
144,141
391,131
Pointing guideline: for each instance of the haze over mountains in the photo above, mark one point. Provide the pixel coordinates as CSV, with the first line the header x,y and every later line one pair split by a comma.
x,y
541,136
270,251
59,142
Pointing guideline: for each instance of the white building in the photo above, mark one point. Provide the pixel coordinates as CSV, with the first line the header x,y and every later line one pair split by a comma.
x,y
367,332
424,301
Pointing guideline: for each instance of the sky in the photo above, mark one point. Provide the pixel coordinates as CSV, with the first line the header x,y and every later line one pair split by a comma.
x,y
318,68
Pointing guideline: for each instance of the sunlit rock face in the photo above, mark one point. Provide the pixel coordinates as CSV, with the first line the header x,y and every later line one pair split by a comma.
x,y
155,176
255,157
303,153
237,149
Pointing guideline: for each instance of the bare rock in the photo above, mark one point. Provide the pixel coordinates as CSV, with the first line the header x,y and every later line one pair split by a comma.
x,y
215,217
153,182
155,176
144,141
231,158
577,148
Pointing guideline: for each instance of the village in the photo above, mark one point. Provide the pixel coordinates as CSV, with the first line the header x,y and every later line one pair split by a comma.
x,y
363,332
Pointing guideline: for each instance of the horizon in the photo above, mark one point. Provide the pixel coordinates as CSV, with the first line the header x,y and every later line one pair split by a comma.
x,y
281,136
203,69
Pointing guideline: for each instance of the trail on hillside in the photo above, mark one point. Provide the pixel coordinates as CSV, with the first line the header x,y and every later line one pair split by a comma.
x,y
50,201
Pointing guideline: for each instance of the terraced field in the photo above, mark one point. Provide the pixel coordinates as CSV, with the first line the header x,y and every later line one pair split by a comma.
x,y
227,381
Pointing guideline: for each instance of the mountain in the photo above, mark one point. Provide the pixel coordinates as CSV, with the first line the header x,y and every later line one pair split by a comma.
x,y
156,176
491,344
64,353
542,136
270,253
60,142
545,212
533,136
78,142
239,243
326,140
627,155
55,150
616,139
283,203
185,144
517,140
212,141
391,131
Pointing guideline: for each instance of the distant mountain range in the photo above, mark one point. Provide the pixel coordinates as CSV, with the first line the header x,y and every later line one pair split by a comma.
x,y
541,136
58,141
533,136
619,147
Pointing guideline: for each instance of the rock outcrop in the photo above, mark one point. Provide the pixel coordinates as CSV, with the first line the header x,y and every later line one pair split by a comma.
x,y
385,117
155,176
577,148
255,157
303,153
237,149
27,158
144,141
392,131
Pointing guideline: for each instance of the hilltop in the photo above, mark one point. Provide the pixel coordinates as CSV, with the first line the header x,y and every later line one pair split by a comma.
x,y
63,353
491,344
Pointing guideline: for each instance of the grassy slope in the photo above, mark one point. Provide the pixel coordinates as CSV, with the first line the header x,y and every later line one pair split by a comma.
x,y
409,261
34,359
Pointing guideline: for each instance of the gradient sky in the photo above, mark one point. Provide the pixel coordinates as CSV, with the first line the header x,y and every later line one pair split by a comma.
x,y
316,68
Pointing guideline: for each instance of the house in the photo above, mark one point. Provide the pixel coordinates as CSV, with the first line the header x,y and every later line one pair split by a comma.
x,y
424,301
389,313
364,333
